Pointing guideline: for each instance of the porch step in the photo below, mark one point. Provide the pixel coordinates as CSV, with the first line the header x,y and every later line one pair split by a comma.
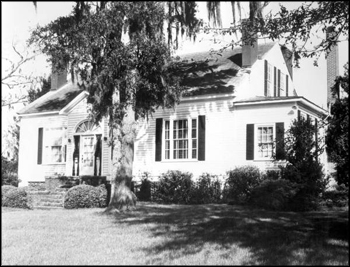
x,y
48,207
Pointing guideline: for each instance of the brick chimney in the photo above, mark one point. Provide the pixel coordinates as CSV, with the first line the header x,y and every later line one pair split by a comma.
x,y
58,78
249,45
332,66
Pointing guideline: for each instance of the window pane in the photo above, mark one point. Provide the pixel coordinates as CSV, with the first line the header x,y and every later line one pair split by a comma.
x,y
194,153
194,124
194,143
185,134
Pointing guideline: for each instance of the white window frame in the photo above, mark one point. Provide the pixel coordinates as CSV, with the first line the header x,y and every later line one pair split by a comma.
x,y
171,139
47,145
256,140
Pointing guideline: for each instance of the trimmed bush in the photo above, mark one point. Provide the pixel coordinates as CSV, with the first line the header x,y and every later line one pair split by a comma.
x,y
15,197
273,194
338,197
85,196
240,183
173,187
207,190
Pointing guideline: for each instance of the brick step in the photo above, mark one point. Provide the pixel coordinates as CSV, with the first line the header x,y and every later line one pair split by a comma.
x,y
49,204
48,207
41,192
56,196
51,200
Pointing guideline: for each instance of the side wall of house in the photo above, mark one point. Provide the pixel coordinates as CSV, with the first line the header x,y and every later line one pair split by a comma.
x,y
78,114
225,136
29,169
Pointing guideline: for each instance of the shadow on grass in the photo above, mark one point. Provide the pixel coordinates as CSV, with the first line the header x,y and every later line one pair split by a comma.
x,y
273,238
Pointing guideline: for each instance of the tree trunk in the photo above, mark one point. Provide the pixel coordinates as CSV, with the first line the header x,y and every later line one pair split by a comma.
x,y
123,157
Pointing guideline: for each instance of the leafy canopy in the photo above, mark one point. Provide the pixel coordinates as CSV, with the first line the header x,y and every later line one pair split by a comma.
x,y
117,72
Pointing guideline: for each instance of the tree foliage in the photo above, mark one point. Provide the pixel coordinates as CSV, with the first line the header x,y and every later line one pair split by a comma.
x,y
297,27
337,138
34,94
137,72
303,169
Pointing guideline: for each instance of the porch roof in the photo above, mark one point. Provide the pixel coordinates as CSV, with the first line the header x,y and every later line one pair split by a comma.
x,y
53,100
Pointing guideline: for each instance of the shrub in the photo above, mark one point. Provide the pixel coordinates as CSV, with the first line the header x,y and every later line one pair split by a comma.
x,y
85,196
311,183
144,194
9,172
6,188
207,189
271,175
240,183
273,194
15,197
173,187
338,197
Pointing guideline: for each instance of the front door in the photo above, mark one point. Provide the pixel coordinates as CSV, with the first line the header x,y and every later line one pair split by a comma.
x,y
87,155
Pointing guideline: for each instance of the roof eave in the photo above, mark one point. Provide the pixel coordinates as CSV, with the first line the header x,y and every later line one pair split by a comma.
x,y
73,103
303,100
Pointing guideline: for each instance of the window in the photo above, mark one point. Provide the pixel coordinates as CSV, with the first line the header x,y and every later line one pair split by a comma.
x,y
194,138
269,80
282,83
55,145
167,140
180,139
265,141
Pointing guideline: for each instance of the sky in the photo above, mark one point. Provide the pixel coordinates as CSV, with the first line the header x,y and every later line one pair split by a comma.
x,y
19,18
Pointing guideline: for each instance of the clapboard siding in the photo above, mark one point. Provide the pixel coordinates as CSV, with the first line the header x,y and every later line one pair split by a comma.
x,y
28,169
225,136
218,127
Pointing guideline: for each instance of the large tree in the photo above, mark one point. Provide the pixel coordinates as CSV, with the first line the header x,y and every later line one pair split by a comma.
x,y
337,138
117,52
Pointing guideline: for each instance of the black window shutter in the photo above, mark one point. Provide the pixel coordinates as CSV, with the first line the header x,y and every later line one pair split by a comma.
x,y
280,141
286,85
159,126
201,137
250,142
299,114
279,83
265,84
274,81
40,145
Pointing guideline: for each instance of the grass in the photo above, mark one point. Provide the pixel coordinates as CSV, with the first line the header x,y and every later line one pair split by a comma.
x,y
174,234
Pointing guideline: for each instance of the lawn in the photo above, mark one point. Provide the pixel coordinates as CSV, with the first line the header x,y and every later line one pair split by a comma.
x,y
174,234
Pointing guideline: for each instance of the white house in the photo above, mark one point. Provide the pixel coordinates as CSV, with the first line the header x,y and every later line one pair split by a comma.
x,y
238,102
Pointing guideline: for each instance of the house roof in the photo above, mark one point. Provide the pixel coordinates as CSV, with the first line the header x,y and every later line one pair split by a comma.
x,y
215,72
264,99
53,100
209,72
